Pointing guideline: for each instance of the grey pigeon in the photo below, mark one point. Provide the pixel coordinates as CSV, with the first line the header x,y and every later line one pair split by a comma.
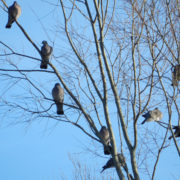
x,y
174,80
46,52
58,96
110,162
176,75
176,132
154,115
104,133
14,12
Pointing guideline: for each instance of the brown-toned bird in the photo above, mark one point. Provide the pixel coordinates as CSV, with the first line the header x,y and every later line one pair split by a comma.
x,y
14,12
58,96
154,115
46,52
104,133
110,162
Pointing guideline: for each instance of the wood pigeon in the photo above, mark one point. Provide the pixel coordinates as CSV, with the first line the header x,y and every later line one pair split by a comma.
x,y
14,12
58,96
46,52
110,162
154,115
104,133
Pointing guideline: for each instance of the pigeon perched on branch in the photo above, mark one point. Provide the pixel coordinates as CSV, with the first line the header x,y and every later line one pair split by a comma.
x,y
46,52
154,115
110,163
176,132
58,96
104,133
14,12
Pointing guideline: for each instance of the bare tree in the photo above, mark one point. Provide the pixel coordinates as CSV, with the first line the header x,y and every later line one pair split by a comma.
x,y
116,63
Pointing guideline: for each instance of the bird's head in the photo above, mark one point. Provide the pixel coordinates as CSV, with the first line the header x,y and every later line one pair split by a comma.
x,y
44,42
103,128
57,84
15,2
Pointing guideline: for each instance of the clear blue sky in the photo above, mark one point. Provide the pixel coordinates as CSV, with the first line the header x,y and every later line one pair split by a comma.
x,y
41,150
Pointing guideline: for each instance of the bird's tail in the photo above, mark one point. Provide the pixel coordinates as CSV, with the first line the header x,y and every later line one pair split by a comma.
x,y
143,121
59,108
44,62
9,23
104,167
8,26
107,150
43,65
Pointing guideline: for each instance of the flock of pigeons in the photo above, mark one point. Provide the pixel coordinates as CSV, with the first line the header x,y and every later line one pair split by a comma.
x,y
154,115
14,12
